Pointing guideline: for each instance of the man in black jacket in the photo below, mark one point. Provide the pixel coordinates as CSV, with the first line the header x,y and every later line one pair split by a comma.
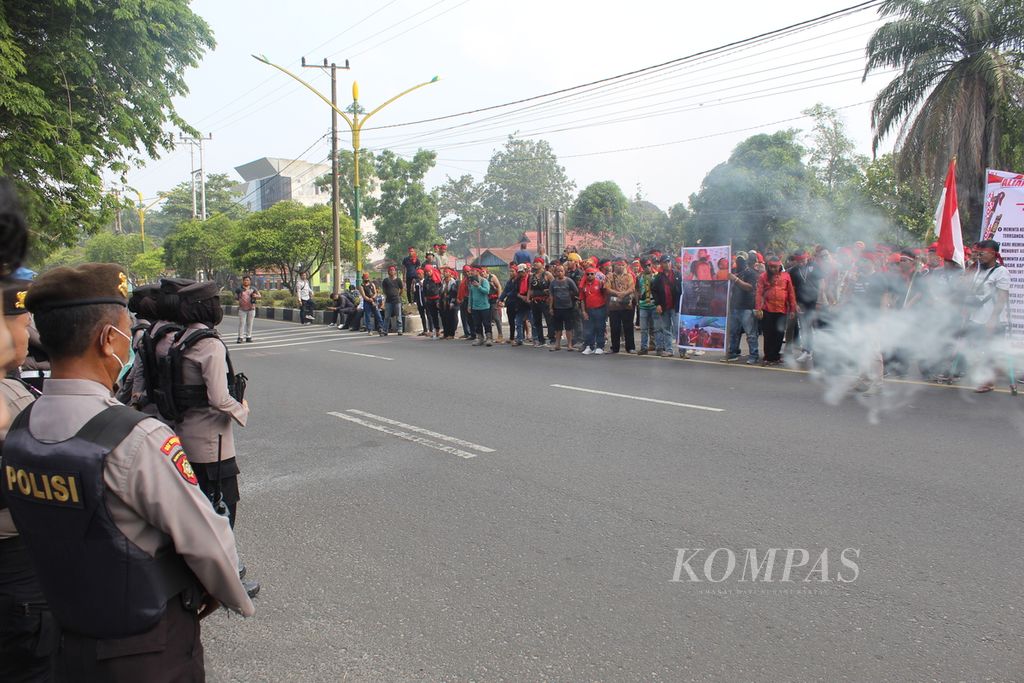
x,y
806,276
666,290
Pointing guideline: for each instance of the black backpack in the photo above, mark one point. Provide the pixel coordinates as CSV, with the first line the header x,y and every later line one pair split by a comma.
x,y
172,397
147,350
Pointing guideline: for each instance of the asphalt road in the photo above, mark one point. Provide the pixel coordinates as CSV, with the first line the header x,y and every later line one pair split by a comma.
x,y
421,510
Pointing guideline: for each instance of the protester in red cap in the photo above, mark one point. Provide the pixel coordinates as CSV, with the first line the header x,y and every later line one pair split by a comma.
x,y
562,306
417,297
595,312
776,304
432,298
540,303
464,314
620,288
448,305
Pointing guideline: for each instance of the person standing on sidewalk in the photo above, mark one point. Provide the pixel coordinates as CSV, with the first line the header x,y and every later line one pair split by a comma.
x,y
480,307
775,306
371,314
595,312
741,311
648,309
666,290
305,293
410,264
247,296
563,307
620,288
540,297
392,286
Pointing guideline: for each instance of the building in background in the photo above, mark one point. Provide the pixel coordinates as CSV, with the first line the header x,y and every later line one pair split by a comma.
x,y
270,180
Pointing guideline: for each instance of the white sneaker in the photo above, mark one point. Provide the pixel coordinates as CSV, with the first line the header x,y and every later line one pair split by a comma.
x,y
587,351
803,357
598,352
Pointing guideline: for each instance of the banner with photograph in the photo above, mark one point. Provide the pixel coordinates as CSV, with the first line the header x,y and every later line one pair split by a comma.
x,y
704,303
1003,221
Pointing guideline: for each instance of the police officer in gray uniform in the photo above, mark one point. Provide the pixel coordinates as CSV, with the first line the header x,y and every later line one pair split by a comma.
x,y
28,634
128,550
204,412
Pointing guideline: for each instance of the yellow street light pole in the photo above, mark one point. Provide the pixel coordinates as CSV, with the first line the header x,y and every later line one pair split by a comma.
x,y
355,125
142,215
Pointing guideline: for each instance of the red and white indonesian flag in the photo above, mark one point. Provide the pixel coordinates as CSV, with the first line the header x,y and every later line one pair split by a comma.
x,y
947,221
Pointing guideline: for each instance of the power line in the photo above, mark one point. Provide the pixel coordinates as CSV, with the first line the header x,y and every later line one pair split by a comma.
x,y
845,11
411,28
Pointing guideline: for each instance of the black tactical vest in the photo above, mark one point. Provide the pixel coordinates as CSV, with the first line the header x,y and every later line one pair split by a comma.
x,y
98,583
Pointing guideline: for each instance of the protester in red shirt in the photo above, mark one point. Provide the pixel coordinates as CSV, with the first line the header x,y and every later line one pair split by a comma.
x,y
776,303
595,312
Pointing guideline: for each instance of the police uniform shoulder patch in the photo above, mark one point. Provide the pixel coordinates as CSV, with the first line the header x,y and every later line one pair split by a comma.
x,y
173,450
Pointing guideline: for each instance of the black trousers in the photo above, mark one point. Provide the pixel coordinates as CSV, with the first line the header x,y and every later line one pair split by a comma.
x,y
622,329
28,632
467,319
449,320
408,289
421,309
206,474
773,325
171,651
482,323
433,321
541,317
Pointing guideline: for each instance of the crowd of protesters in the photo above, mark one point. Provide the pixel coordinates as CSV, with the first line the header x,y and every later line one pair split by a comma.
x,y
864,312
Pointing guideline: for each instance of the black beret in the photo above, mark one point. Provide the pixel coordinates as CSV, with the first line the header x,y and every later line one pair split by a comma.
x,y
85,285
199,291
171,285
140,293
15,292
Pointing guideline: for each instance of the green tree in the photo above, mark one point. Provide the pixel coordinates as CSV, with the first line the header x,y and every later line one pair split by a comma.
x,y
602,209
346,192
195,247
460,207
289,238
675,227
961,62
88,87
906,204
149,265
221,198
831,150
759,197
107,247
522,178
648,224
405,213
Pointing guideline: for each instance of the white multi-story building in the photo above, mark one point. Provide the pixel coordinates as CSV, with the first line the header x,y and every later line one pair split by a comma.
x,y
269,180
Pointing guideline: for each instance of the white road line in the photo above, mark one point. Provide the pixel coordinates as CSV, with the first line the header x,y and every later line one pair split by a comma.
x,y
254,347
364,355
640,398
406,436
421,430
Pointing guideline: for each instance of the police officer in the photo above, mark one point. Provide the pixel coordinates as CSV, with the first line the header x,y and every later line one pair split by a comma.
x,y
154,340
127,548
207,409
28,634
142,305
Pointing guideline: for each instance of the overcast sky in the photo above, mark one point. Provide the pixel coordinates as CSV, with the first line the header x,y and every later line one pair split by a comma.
x,y
488,52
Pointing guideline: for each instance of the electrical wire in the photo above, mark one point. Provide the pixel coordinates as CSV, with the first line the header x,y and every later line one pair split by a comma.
x,y
842,12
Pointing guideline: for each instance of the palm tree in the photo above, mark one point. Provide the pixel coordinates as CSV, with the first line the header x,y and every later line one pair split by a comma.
x,y
962,67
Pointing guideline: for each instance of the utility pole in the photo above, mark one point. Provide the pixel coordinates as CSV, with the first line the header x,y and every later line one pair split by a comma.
x,y
335,220
200,210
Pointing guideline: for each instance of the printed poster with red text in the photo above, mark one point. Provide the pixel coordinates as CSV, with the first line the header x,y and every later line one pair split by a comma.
x,y
705,298
1003,221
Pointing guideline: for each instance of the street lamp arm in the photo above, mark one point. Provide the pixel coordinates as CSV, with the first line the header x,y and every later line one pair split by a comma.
x,y
435,79
330,104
